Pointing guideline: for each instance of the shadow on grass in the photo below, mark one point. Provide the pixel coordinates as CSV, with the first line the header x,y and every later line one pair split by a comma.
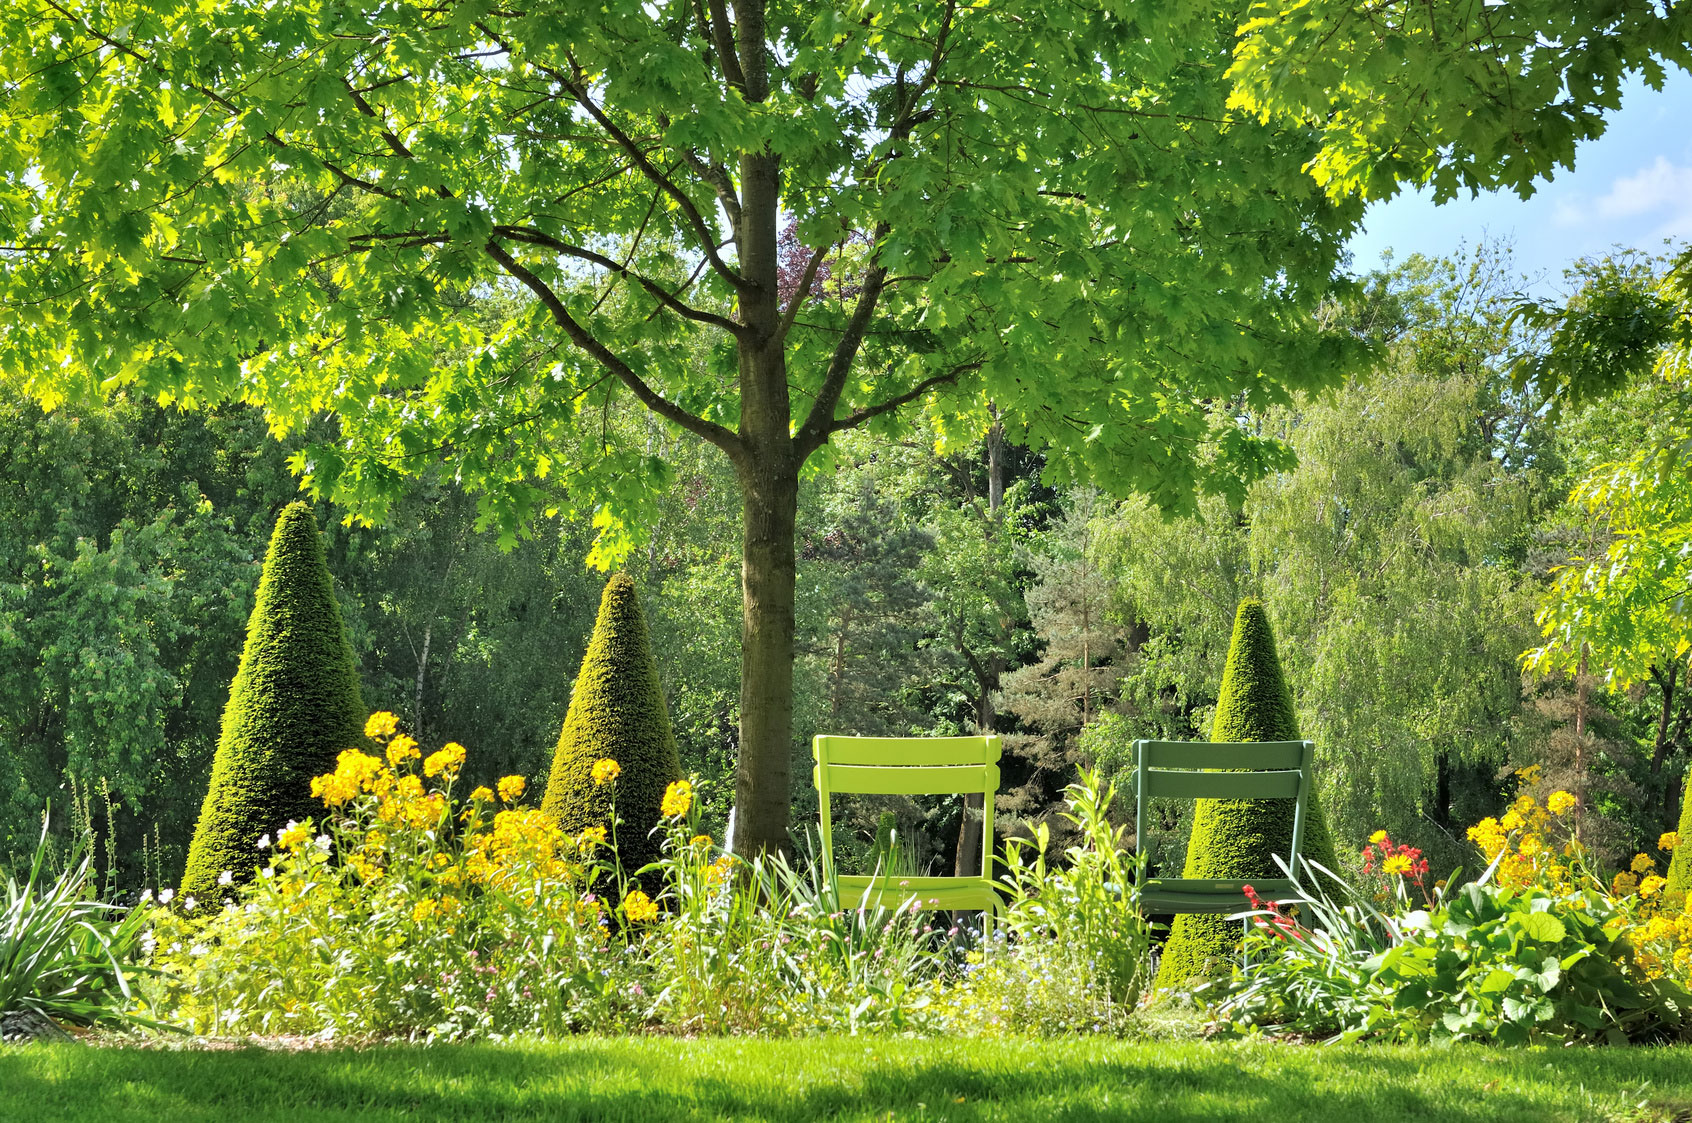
x,y
650,1079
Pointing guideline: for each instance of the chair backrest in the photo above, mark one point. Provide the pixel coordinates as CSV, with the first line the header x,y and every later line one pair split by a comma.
x,y
907,766
1253,770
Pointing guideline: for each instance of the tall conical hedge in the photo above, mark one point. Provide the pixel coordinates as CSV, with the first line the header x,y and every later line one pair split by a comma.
x,y
294,705
1680,864
1234,838
616,712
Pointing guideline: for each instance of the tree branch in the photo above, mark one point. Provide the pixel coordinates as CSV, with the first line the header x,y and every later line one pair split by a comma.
x,y
659,293
808,443
723,438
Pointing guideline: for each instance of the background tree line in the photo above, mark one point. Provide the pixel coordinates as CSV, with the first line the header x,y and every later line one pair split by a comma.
x,y
1402,560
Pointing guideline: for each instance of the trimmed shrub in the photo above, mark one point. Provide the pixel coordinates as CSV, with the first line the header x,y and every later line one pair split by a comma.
x,y
616,712
1680,865
294,705
1234,838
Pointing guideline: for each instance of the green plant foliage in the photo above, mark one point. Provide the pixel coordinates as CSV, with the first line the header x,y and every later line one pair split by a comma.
x,y
617,712
63,955
294,705
1515,965
1237,838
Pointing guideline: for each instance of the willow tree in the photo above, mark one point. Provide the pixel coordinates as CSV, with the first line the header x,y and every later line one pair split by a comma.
x,y
463,228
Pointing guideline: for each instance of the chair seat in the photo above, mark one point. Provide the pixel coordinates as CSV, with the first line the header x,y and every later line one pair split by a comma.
x,y
933,892
1209,895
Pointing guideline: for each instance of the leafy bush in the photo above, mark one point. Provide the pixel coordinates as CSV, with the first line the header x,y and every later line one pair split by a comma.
x,y
1075,949
1236,838
418,914
1536,950
294,704
616,712
63,955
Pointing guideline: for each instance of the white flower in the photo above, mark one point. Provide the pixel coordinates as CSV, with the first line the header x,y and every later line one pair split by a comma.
x,y
197,949
267,872
225,878
264,842
322,842
165,896
146,895
188,904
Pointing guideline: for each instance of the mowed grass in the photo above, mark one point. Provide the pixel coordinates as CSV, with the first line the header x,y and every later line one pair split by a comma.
x,y
844,1078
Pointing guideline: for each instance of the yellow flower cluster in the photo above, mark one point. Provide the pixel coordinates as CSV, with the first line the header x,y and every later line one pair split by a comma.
x,y
449,759
678,797
638,907
1531,847
511,788
606,770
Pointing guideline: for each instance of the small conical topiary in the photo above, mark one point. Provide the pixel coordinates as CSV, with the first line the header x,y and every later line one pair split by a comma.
x,y
616,713
1234,838
1680,865
294,705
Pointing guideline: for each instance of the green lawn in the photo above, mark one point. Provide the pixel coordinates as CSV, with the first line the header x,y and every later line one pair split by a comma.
x,y
845,1078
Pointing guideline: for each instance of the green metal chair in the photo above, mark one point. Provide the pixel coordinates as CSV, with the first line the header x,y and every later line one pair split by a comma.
x,y
912,766
1258,770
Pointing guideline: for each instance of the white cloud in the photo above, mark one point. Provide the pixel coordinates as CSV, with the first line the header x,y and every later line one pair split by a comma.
x,y
1661,187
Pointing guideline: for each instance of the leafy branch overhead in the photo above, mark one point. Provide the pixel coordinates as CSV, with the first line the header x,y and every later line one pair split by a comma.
x,y
331,207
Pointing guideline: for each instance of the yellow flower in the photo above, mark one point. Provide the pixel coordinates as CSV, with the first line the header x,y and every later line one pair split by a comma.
x,y
482,794
1624,884
1398,863
1669,841
426,908
1659,928
590,838
293,836
678,797
381,724
401,749
699,841
1377,838
447,760
637,906
606,770
511,788
1650,884
1512,819
1560,803
409,787
1642,863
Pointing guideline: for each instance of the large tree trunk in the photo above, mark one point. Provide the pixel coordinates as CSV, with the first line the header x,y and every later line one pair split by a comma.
x,y
769,490
762,779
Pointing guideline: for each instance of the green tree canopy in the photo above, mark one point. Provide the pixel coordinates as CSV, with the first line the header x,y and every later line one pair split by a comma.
x,y
463,229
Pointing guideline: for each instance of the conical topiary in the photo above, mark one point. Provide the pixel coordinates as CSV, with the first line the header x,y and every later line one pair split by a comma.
x,y
1234,838
616,713
1680,865
294,705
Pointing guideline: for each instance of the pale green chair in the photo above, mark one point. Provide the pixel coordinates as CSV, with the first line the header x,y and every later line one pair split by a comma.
x,y
1256,770
911,766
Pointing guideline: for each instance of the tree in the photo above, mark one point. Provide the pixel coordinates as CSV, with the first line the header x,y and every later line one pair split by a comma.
x,y
302,205
1234,838
293,707
1069,687
617,712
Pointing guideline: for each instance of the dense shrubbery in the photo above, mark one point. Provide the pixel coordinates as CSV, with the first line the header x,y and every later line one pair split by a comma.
x,y
1537,949
409,910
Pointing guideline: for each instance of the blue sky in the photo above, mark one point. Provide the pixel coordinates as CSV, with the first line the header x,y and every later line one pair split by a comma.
x,y
1632,187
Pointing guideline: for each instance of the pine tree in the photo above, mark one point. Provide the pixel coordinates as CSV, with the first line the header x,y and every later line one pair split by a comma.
x,y
1234,838
294,705
616,712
